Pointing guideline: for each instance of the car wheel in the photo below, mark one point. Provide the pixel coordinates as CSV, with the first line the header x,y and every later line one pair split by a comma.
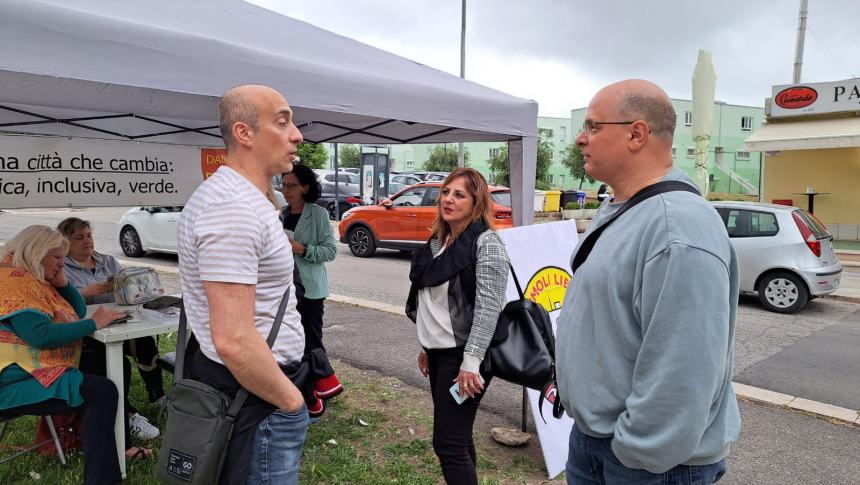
x,y
361,242
331,213
129,241
782,292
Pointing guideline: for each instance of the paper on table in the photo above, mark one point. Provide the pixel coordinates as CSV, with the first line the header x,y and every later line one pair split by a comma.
x,y
131,310
160,316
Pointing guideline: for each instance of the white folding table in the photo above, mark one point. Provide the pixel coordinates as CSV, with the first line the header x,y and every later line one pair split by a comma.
x,y
148,323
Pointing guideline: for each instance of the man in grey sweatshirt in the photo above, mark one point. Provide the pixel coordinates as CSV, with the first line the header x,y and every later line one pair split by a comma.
x,y
646,333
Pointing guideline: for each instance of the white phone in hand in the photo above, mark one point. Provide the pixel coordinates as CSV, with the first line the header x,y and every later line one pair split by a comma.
x,y
455,392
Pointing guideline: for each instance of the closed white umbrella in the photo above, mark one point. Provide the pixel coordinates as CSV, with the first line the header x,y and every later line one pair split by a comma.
x,y
704,80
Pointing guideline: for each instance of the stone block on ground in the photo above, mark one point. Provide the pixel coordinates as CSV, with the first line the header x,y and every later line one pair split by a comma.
x,y
510,436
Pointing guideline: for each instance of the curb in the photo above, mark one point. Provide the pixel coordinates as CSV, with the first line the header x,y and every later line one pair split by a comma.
x,y
797,403
848,298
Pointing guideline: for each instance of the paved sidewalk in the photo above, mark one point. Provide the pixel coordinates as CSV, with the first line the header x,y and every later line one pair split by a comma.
x,y
849,285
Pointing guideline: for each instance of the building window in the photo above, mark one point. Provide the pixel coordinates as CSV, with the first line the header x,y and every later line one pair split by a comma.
x,y
746,123
674,151
547,133
410,164
688,118
495,152
742,155
562,135
551,179
691,152
561,180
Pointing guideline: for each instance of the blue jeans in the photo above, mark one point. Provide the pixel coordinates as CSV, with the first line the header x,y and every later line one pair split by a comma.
x,y
592,461
277,448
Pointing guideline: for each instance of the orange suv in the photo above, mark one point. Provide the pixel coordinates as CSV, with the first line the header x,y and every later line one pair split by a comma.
x,y
403,220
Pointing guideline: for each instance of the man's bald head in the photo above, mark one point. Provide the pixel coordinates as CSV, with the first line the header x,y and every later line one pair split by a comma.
x,y
240,105
637,99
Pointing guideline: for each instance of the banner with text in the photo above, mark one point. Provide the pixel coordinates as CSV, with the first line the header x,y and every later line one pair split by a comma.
x,y
77,172
540,255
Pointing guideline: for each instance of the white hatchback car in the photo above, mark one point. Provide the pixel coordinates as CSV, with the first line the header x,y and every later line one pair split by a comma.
x,y
785,254
151,228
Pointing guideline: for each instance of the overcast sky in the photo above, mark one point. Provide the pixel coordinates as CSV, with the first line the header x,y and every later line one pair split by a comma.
x,y
559,52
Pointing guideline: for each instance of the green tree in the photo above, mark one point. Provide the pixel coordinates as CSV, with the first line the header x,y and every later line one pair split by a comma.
x,y
350,156
574,162
313,155
500,166
443,158
544,159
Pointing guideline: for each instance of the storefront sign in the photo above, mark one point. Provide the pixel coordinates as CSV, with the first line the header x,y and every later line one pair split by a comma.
x,y
815,98
78,172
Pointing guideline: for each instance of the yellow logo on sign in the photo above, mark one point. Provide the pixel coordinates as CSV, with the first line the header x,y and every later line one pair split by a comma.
x,y
547,287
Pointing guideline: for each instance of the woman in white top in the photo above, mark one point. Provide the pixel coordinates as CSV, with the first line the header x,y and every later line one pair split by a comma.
x,y
458,291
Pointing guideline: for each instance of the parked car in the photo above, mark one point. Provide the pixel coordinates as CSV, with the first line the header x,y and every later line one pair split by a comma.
x,y
348,196
151,228
342,177
403,220
785,254
404,179
430,176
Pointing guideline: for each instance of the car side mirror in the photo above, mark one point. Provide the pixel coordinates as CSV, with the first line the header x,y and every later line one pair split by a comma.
x,y
387,203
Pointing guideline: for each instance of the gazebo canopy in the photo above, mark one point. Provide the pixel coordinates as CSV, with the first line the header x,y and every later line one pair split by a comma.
x,y
154,71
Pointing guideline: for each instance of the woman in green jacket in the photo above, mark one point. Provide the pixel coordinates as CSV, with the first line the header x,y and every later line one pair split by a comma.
x,y
312,239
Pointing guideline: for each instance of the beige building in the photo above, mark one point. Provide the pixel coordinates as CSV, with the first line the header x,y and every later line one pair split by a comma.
x,y
811,146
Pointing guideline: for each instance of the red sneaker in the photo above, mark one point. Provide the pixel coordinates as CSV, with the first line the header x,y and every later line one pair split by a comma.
x,y
316,409
328,387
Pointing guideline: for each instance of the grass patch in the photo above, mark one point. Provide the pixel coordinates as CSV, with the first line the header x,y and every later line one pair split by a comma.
x,y
378,432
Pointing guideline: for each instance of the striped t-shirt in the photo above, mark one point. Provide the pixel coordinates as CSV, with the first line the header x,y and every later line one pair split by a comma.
x,y
229,232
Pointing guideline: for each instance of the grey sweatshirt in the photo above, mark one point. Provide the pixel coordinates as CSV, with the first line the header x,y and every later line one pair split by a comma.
x,y
646,334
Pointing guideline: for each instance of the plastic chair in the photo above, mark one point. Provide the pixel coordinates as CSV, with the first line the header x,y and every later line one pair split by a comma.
x,y
4,421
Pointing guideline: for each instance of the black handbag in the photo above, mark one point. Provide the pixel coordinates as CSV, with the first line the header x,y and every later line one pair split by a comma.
x,y
522,350
200,419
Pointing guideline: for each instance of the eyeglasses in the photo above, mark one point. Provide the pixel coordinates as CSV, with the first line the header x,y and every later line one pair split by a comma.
x,y
290,186
591,127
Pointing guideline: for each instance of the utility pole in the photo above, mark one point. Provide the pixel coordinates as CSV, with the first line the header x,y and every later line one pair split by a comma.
x,y
461,156
801,35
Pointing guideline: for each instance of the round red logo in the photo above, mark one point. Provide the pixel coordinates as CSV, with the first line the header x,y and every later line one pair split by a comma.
x,y
796,97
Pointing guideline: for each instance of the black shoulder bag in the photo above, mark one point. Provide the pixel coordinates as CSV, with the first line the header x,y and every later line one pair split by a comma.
x,y
200,419
523,347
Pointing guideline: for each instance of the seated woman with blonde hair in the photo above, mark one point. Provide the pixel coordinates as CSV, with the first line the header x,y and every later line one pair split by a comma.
x,y
41,326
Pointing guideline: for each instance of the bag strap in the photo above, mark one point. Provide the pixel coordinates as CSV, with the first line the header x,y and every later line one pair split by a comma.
x,y
644,194
242,394
517,282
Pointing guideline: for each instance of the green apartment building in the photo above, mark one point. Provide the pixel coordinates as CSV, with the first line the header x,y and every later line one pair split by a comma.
x,y
732,169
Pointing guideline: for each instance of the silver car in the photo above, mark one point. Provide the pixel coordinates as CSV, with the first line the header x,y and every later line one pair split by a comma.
x,y
785,254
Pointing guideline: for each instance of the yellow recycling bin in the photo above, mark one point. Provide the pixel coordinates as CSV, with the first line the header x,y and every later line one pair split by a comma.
x,y
552,202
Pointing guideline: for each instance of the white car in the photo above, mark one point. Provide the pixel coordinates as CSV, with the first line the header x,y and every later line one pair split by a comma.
x,y
151,228
785,254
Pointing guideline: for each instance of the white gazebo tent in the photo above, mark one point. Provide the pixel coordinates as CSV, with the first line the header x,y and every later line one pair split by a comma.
x,y
153,71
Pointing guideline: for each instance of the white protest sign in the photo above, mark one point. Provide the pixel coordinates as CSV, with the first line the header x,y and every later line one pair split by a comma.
x,y
75,172
540,255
